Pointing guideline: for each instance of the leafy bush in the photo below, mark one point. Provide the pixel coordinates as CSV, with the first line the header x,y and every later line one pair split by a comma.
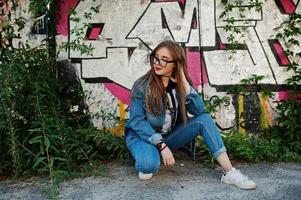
x,y
44,123
257,148
288,121
114,147
252,148
38,129
288,126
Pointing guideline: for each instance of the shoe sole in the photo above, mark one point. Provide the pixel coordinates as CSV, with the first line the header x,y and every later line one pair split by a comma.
x,y
145,177
242,187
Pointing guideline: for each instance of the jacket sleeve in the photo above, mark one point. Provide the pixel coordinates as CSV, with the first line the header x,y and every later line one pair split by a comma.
x,y
193,102
138,122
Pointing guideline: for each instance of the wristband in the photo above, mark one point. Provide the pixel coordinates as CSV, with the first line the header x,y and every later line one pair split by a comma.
x,y
159,144
163,148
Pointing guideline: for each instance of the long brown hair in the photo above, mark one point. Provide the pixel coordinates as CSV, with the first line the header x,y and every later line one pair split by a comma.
x,y
155,88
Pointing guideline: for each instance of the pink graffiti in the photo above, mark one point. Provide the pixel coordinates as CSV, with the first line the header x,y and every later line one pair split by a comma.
x,y
182,1
62,20
5,6
196,68
288,6
284,60
222,46
203,72
95,32
284,95
121,93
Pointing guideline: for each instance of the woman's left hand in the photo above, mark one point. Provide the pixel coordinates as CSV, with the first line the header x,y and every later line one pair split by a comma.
x,y
183,77
181,73
167,157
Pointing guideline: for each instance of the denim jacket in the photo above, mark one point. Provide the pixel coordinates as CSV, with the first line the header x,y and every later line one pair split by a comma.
x,y
144,124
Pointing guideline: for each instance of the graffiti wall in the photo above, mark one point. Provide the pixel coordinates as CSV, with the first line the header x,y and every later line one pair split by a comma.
x,y
124,32
34,30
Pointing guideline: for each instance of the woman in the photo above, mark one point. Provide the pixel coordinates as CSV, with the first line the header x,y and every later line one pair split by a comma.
x,y
158,123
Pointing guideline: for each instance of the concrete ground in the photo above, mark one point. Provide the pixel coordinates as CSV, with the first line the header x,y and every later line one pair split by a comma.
x,y
188,179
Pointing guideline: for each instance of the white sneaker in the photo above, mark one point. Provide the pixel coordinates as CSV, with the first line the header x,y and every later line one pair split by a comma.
x,y
235,177
144,176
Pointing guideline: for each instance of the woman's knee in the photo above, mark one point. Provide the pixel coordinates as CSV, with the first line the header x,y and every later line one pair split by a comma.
x,y
203,117
148,164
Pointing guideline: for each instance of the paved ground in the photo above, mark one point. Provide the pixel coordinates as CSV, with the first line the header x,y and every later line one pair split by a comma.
x,y
187,180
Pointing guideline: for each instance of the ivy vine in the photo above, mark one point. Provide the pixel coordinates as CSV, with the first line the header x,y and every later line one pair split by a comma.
x,y
230,20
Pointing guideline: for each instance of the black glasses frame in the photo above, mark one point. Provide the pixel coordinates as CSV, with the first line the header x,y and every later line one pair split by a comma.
x,y
161,62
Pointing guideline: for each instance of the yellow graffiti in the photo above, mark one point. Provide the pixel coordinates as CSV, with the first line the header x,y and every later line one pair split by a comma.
x,y
241,117
265,116
119,129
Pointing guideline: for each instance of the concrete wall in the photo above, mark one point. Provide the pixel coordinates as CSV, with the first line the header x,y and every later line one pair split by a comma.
x,y
124,32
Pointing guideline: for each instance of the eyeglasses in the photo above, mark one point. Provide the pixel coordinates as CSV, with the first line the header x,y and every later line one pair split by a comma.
x,y
162,62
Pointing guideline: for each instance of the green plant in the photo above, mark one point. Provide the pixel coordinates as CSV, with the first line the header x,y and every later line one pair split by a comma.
x,y
35,115
40,132
203,152
288,125
251,85
230,26
282,141
37,122
214,102
288,122
77,44
267,146
38,8
114,146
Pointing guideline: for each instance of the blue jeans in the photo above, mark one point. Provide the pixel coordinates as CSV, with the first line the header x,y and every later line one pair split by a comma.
x,y
147,157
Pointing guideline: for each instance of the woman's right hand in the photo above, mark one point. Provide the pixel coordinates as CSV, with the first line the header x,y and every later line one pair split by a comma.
x,y
167,157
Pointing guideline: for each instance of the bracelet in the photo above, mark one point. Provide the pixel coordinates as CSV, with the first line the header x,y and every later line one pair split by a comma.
x,y
159,144
163,148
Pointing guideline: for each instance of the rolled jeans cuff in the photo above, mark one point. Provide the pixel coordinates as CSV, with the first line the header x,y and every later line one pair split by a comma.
x,y
155,138
218,152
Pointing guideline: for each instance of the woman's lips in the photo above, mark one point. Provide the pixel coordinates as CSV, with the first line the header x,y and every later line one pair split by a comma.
x,y
158,68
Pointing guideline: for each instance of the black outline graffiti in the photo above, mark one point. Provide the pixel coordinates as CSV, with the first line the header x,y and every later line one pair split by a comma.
x,y
201,49
217,103
94,80
163,22
106,56
194,19
127,36
266,56
167,26
198,48
40,25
